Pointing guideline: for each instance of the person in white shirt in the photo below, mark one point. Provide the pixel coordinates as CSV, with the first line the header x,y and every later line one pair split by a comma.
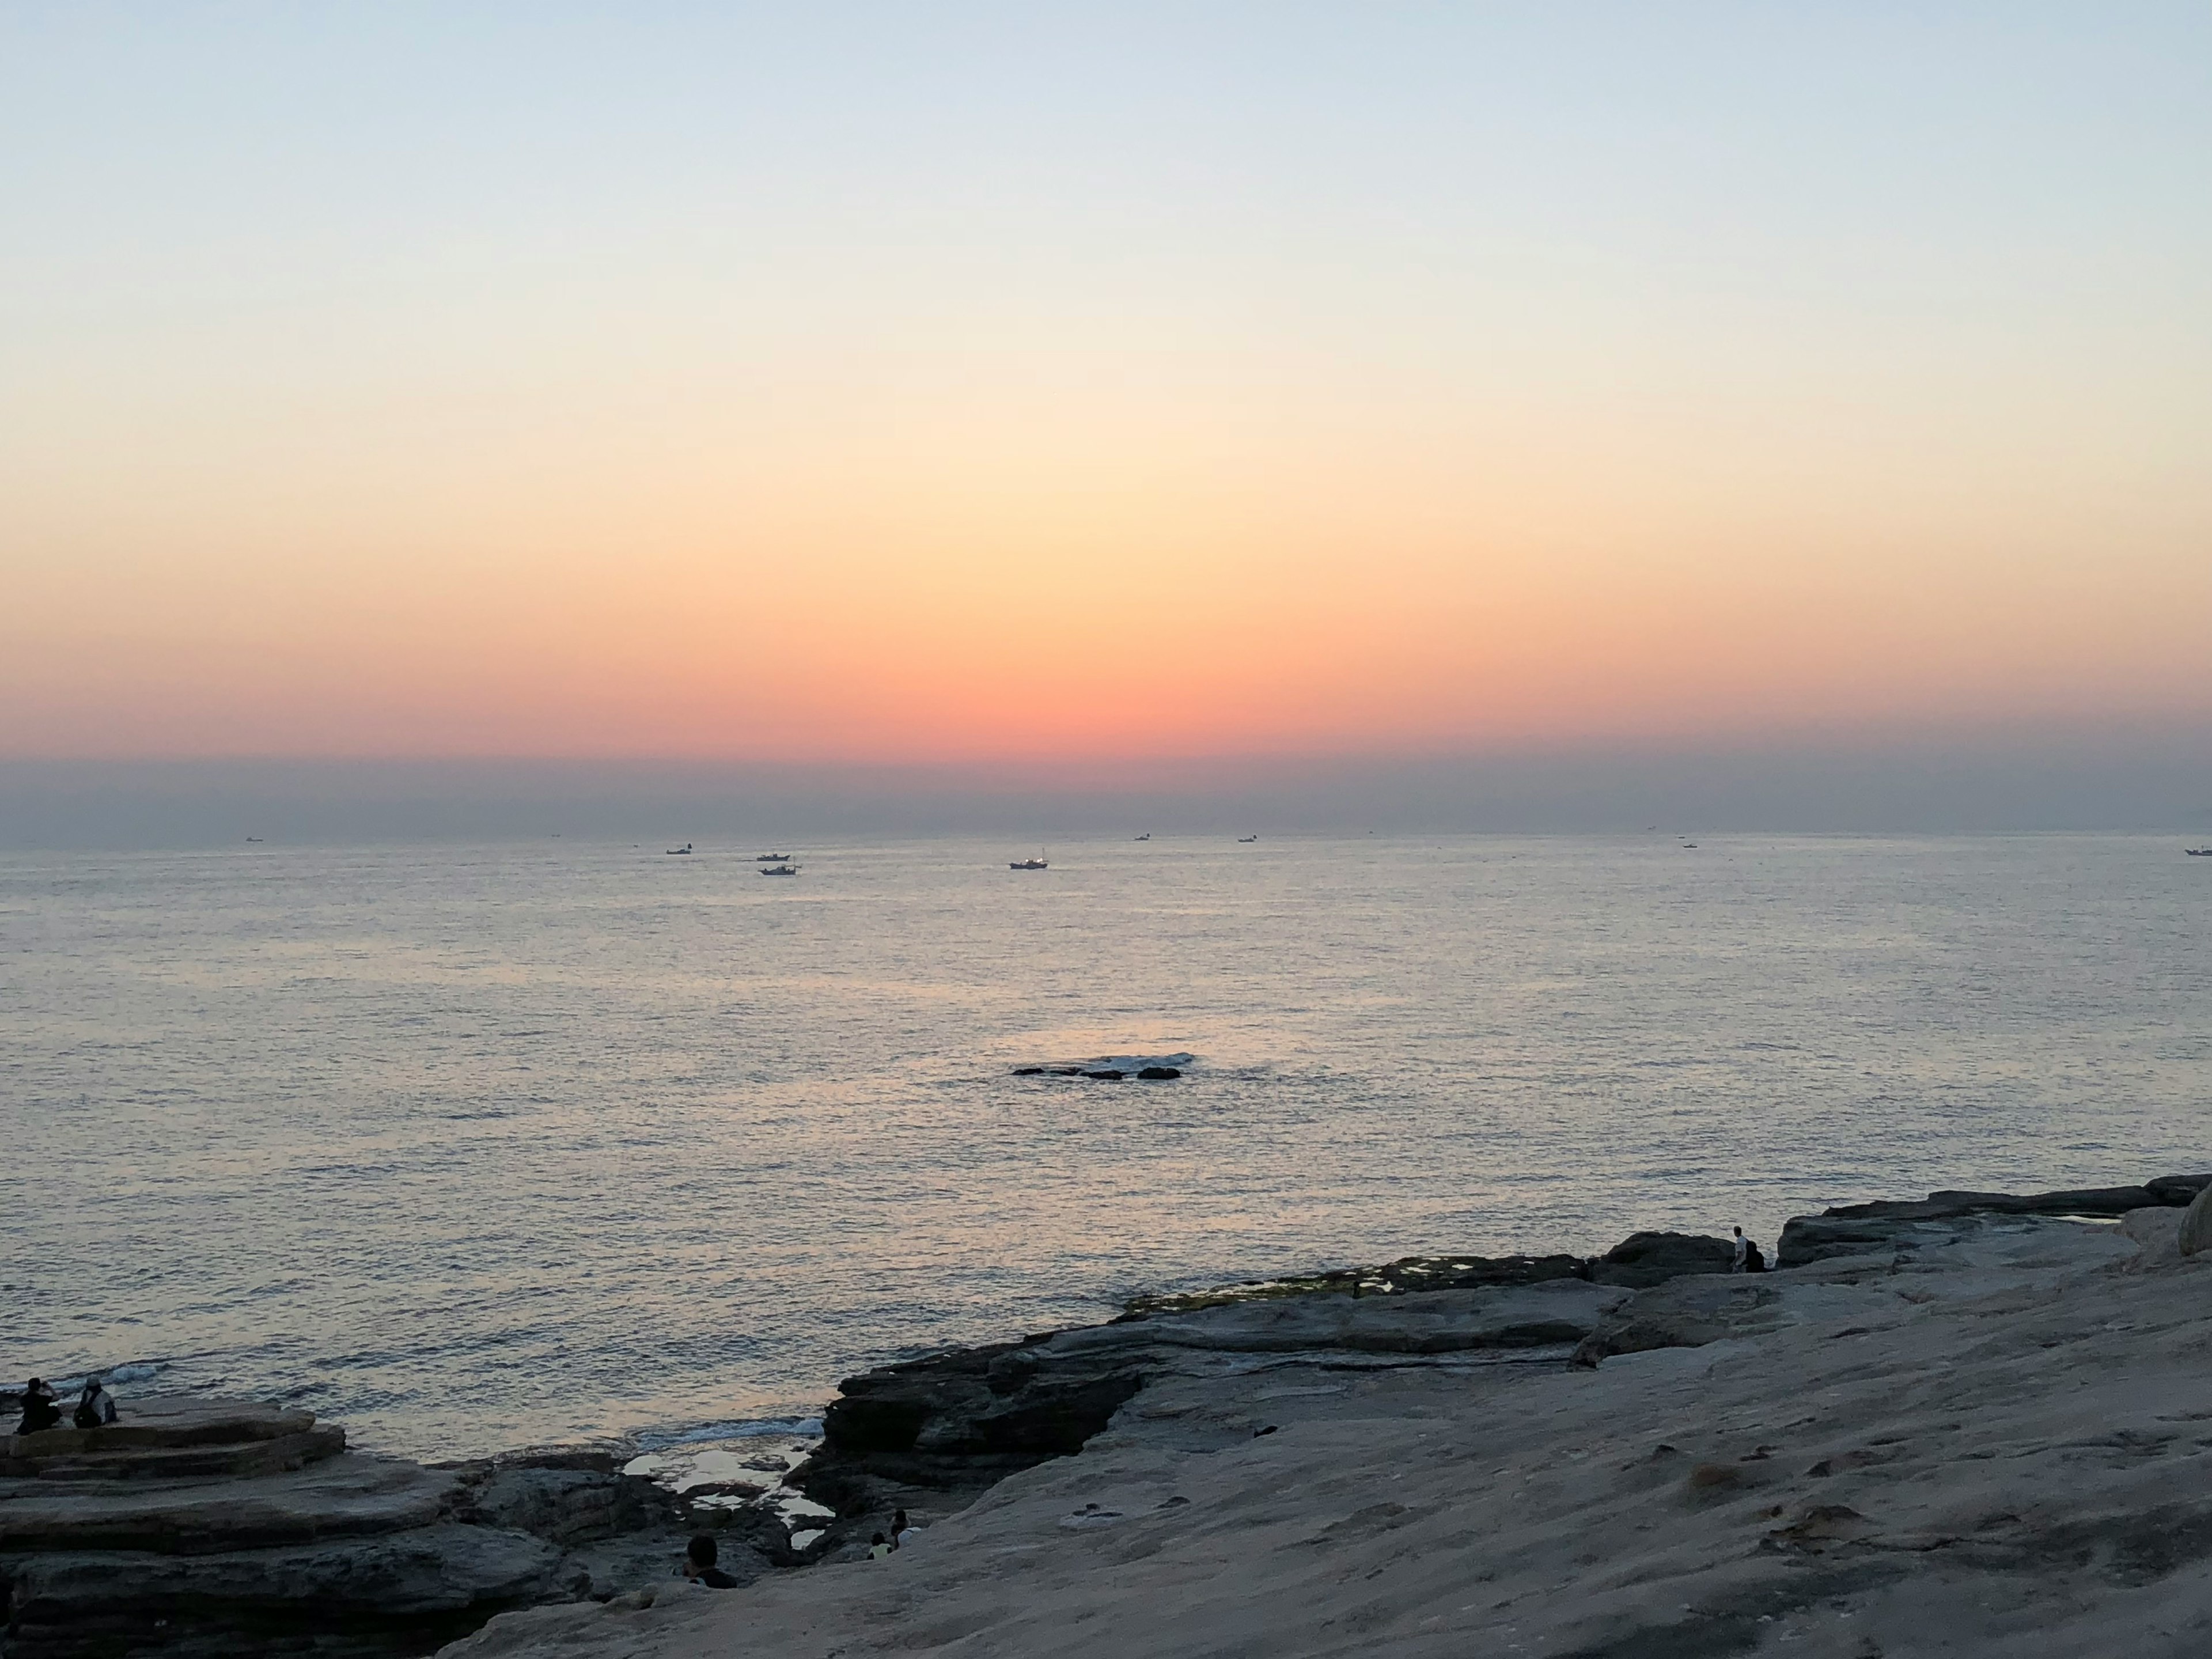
x,y
1735,1266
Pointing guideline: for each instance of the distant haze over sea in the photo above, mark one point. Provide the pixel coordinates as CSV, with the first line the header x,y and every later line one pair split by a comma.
x,y
2006,781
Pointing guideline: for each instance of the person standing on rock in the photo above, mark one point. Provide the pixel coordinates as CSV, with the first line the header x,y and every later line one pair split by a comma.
x,y
898,1526
1742,1248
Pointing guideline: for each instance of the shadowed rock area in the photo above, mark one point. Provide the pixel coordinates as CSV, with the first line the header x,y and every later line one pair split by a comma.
x,y
201,1527
216,1526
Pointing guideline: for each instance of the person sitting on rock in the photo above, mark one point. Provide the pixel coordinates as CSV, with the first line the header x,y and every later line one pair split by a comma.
x,y
699,1558
898,1526
1753,1261
97,1406
879,1548
39,1411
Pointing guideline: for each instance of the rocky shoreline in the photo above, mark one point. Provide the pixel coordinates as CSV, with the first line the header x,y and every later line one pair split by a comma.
x,y
206,1528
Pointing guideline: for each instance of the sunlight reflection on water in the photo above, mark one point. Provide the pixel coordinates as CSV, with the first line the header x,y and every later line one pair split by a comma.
x,y
480,1147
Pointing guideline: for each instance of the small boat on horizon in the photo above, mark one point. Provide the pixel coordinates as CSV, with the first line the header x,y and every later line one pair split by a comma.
x,y
1246,840
771,858
2198,852
678,852
1036,863
777,869
1147,836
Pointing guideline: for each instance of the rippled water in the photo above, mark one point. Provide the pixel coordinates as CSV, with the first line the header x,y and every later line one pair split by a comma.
x,y
482,1147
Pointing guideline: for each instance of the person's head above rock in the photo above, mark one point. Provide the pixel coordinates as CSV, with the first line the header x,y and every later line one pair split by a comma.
x,y
701,1552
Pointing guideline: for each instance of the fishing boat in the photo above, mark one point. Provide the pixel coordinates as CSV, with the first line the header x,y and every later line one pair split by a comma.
x,y
1246,840
1147,836
678,852
1036,863
771,858
2198,852
778,870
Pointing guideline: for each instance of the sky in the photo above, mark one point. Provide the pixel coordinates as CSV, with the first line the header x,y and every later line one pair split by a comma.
x,y
902,386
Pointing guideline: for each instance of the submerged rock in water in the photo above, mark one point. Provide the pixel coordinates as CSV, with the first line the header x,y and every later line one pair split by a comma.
x,y
1159,1074
1106,1074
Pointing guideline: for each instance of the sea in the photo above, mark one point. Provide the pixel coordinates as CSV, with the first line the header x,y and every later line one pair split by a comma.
x,y
475,1148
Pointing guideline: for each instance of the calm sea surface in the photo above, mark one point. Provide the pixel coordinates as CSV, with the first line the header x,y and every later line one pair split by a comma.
x,y
480,1147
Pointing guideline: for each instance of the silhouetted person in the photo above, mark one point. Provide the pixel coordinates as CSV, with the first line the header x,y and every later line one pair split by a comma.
x,y
1753,1263
39,1411
96,1407
1742,1244
699,1558
898,1526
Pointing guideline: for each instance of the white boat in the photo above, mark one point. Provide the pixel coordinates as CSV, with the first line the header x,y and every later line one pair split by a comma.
x,y
1036,863
678,852
778,870
1246,840
771,858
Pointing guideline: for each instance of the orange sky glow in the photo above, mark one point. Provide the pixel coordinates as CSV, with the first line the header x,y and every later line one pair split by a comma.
x,y
1458,452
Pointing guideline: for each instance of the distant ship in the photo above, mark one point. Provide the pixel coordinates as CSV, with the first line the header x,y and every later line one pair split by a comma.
x,y
771,858
1245,840
1147,836
2198,852
678,852
255,841
1036,863
779,870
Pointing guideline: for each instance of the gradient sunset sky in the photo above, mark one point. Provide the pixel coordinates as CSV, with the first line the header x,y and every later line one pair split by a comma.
x,y
914,383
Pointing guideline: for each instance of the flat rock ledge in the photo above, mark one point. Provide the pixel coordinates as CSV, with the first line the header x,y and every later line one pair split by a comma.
x,y
199,1526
